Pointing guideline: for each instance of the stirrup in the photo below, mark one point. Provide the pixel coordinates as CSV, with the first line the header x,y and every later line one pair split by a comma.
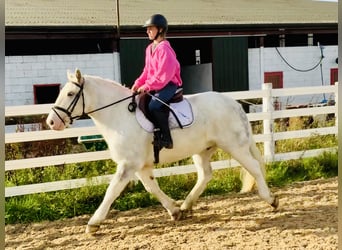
x,y
156,137
159,141
156,144
166,144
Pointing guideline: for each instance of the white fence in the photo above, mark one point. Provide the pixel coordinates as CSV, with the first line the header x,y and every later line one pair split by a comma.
x,y
268,137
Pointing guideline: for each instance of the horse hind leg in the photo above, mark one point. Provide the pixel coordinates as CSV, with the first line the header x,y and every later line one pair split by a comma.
x,y
252,165
204,170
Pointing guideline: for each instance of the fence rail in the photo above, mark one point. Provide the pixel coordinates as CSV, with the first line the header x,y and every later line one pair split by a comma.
x,y
268,137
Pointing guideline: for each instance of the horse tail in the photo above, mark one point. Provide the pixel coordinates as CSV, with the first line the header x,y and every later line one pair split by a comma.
x,y
248,181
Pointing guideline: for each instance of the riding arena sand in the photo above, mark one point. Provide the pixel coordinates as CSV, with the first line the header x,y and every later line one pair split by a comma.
x,y
306,219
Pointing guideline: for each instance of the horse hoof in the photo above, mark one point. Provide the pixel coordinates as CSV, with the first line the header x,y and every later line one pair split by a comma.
x,y
275,203
177,215
92,228
187,213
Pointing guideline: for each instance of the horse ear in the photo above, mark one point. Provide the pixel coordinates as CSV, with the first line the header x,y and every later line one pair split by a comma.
x,y
69,74
79,76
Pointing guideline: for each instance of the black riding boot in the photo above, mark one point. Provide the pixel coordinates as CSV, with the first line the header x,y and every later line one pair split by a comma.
x,y
161,121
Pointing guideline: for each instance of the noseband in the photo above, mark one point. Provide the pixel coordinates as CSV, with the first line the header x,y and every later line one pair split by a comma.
x,y
68,111
72,106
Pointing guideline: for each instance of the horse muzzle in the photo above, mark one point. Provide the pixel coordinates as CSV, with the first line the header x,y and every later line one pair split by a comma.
x,y
56,122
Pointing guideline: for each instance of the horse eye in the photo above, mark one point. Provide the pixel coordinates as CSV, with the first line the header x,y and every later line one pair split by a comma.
x,y
70,93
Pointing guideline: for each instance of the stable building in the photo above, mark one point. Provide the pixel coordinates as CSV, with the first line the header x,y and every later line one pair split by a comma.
x,y
220,44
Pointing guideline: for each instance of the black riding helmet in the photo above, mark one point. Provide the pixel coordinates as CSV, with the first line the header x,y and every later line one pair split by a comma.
x,y
159,21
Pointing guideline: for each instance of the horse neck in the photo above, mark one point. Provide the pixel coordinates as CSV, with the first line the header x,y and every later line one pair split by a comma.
x,y
100,93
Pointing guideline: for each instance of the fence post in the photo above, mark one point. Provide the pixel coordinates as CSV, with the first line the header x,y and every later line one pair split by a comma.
x,y
267,106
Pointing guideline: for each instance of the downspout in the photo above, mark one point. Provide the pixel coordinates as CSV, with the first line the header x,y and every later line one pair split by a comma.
x,y
261,62
116,55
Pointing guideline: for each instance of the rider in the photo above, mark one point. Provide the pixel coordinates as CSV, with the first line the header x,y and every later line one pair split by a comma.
x,y
160,76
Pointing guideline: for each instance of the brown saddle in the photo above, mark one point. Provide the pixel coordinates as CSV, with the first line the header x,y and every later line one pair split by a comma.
x,y
144,100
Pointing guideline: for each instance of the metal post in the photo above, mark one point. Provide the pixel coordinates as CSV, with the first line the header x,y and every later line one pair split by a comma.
x,y
261,63
118,17
117,68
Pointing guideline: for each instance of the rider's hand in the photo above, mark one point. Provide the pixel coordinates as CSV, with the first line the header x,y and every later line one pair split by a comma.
x,y
134,88
141,89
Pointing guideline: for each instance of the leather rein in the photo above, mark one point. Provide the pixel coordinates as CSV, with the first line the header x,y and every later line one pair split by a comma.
x,y
68,111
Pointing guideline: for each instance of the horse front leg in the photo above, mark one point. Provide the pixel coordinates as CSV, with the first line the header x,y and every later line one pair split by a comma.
x,y
151,185
120,180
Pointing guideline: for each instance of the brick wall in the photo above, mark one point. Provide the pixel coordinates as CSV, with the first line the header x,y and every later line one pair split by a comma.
x,y
22,72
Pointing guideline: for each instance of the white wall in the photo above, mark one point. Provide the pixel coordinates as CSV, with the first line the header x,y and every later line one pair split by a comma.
x,y
267,60
21,72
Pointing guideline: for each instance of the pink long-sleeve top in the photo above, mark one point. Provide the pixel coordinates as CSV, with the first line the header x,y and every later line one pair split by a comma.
x,y
161,67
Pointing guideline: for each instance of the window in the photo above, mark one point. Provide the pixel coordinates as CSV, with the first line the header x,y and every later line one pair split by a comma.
x,y
45,93
276,78
333,76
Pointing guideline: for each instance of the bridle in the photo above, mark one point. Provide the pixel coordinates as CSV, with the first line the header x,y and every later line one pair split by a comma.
x,y
68,111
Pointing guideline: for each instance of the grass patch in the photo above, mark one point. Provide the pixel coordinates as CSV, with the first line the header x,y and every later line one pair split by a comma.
x,y
286,172
85,200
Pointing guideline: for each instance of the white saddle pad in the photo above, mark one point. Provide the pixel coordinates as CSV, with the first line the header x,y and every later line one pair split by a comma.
x,y
181,109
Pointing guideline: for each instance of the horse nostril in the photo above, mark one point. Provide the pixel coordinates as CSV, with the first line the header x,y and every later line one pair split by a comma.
x,y
51,123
